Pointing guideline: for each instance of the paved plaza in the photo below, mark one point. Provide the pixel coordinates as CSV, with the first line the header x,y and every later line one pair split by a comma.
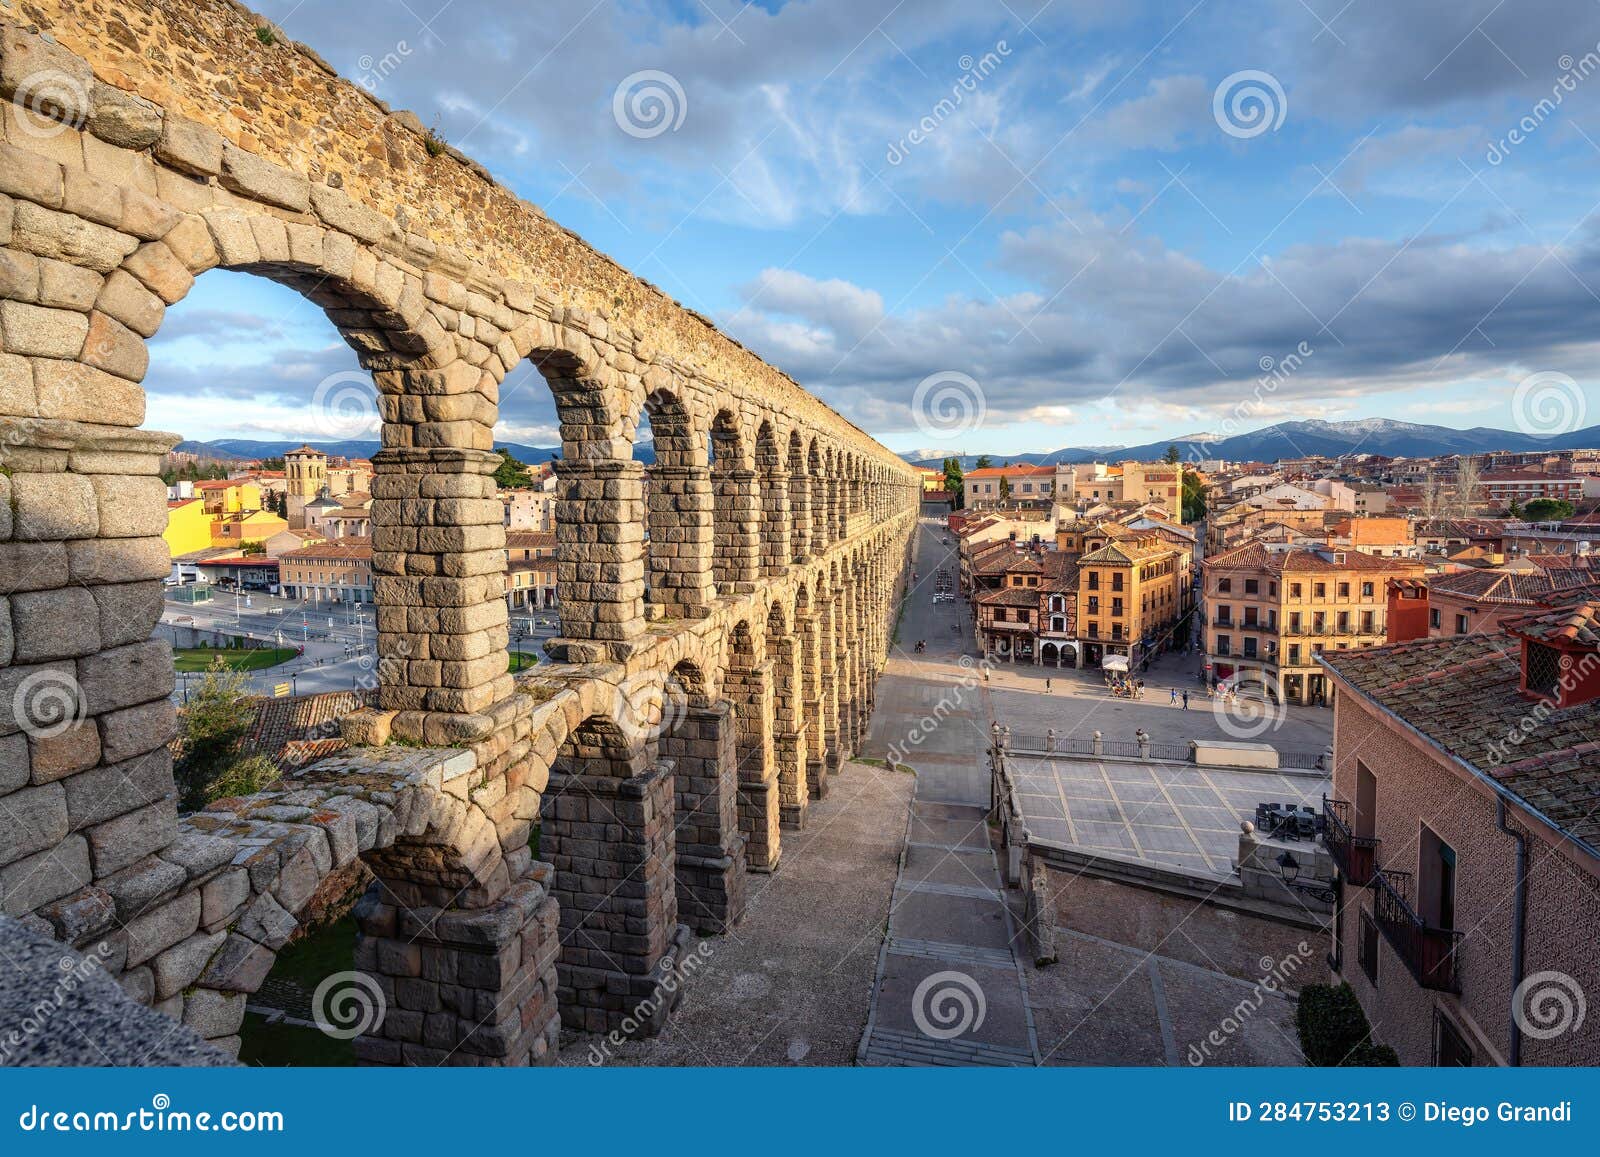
x,y
1171,815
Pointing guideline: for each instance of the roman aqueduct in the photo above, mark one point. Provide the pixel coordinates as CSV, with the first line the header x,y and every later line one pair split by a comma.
x,y
710,677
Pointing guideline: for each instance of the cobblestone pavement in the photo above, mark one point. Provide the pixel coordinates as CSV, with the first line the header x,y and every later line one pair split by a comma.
x,y
790,985
1149,979
1173,815
949,989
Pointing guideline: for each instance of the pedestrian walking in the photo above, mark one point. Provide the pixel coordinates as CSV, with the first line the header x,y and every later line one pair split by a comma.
x,y
1186,701
1047,684
1174,698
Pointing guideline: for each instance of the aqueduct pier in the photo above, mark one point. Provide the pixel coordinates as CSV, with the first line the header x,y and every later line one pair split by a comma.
x,y
711,674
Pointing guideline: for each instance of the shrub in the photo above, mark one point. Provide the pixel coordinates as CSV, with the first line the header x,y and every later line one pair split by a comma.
x,y
209,764
266,35
1334,1031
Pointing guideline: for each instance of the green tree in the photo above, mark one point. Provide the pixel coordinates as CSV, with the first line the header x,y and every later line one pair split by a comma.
x,y
1547,510
984,462
210,764
511,474
954,480
1172,455
1194,498
1005,488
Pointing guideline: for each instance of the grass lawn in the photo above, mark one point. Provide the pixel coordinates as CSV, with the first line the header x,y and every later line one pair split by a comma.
x,y
522,661
200,658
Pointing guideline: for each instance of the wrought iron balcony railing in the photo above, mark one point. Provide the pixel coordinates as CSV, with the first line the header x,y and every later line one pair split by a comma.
x,y
1356,855
1430,953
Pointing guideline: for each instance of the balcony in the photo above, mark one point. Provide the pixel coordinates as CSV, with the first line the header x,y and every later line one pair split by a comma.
x,y
1355,855
1430,953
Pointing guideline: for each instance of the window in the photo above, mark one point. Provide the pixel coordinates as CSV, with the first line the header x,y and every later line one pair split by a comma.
x,y
1094,580
1434,620
1252,586
1450,1047
1344,590
1225,585
1294,590
1320,590
1461,624
1223,645
1436,880
1249,646
1366,588
1367,948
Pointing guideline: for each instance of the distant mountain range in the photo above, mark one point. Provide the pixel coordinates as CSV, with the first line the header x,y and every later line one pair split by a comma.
x,y
244,448
1295,439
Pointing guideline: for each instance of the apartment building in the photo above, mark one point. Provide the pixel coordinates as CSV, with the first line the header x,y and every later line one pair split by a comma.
x,y
1271,612
1159,483
1130,600
1465,823
1019,487
328,572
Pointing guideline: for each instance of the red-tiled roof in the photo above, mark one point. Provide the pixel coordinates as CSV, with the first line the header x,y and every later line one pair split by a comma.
x,y
1578,623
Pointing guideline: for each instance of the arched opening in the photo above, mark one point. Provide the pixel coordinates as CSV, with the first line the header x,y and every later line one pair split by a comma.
x,y
775,548
817,476
736,508
678,501
617,891
747,682
811,658
800,533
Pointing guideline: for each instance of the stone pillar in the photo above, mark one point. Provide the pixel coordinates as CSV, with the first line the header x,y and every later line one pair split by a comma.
x,y
599,558
750,690
736,559
86,784
438,565
776,519
709,848
811,711
681,540
834,649
788,731
474,986
608,831
801,540
822,520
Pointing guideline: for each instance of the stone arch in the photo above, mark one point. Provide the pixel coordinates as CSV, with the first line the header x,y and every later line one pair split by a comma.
x,y
736,494
679,547
747,682
802,539
775,550
619,930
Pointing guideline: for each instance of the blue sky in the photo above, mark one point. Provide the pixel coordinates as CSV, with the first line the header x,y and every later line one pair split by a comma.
x,y
1096,243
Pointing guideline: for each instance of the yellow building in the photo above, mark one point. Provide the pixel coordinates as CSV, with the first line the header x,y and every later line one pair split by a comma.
x,y
1130,600
229,496
188,527
235,531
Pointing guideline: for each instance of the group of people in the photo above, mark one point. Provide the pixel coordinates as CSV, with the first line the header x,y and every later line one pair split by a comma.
x,y
1127,688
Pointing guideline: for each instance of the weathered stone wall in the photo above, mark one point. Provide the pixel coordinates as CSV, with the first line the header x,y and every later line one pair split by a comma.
x,y
144,145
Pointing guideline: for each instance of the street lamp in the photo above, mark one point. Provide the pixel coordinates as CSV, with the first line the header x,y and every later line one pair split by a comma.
x,y
1289,869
